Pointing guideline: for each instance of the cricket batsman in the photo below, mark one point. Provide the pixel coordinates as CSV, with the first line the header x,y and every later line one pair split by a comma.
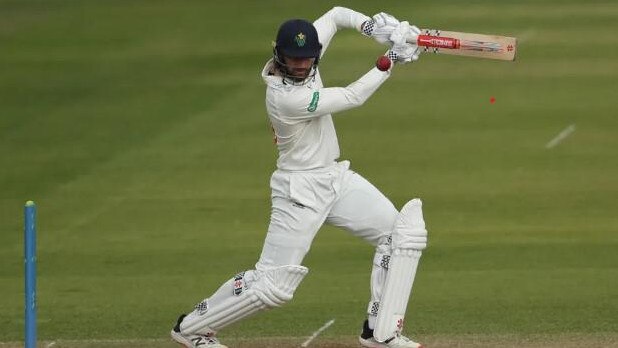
x,y
311,187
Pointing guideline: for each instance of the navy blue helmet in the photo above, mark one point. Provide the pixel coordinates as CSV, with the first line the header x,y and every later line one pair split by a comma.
x,y
297,38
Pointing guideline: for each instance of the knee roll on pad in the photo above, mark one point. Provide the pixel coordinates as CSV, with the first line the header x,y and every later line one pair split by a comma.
x,y
409,231
276,286
249,292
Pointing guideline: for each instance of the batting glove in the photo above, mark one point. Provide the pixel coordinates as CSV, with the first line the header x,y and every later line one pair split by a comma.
x,y
402,51
380,27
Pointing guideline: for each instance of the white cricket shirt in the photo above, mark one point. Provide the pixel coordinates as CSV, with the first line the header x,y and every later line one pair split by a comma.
x,y
301,114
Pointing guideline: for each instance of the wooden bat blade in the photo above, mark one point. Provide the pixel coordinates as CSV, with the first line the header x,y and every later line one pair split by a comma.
x,y
467,44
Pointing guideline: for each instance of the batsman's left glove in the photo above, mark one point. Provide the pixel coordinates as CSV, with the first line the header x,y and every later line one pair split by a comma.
x,y
380,27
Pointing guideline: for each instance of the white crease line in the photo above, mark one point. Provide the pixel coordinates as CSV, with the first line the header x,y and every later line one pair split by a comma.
x,y
315,334
560,137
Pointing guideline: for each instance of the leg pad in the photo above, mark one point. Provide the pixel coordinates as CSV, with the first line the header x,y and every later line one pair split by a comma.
x,y
243,295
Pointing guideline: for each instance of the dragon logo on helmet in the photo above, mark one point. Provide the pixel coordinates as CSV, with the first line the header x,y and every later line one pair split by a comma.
x,y
300,39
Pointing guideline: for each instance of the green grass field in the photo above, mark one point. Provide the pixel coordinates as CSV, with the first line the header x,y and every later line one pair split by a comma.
x,y
139,128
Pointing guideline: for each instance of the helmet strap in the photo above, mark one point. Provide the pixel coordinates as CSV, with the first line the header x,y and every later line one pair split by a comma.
x,y
288,78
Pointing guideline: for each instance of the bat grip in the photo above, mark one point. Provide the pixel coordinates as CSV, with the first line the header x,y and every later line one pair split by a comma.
x,y
437,41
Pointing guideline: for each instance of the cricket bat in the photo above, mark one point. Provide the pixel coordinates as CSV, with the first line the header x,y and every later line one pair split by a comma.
x,y
466,44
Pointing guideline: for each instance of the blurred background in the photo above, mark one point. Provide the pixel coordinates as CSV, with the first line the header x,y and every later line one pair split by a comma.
x,y
139,129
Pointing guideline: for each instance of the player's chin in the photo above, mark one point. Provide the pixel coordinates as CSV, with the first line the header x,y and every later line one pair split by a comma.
x,y
300,73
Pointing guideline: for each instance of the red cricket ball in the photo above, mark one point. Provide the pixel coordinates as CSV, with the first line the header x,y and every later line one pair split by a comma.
x,y
383,63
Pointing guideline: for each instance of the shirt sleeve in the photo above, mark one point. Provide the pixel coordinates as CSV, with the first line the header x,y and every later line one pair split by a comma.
x,y
305,103
335,19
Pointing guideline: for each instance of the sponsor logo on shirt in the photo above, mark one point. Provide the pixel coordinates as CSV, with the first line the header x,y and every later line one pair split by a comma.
x,y
314,102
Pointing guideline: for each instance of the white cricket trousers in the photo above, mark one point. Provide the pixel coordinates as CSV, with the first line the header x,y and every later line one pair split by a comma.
x,y
303,201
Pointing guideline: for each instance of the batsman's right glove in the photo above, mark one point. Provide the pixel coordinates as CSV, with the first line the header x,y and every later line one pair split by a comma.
x,y
402,51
